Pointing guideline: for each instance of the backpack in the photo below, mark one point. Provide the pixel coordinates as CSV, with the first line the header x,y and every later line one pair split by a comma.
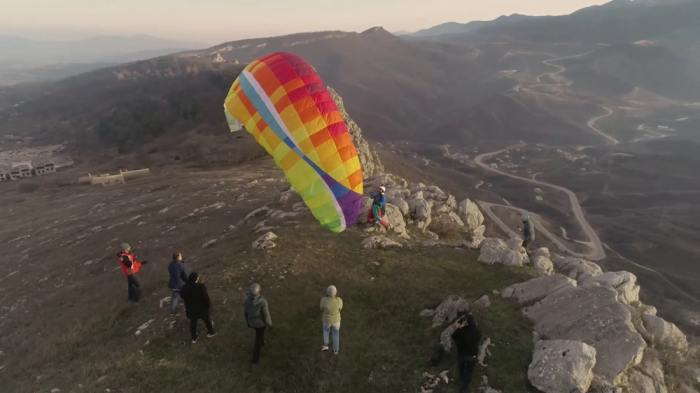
x,y
436,355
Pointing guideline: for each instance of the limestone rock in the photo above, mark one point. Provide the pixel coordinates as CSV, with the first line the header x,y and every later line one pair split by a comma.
x,y
369,160
625,283
576,268
446,337
542,252
469,212
484,351
560,366
593,316
474,243
448,310
427,313
264,242
648,376
538,288
543,264
401,204
494,250
394,218
379,242
664,334
483,301
479,231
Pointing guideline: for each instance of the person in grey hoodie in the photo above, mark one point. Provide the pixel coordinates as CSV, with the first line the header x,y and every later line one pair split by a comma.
x,y
179,274
257,315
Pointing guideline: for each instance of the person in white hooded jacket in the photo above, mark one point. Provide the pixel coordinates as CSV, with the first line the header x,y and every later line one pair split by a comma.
x,y
331,306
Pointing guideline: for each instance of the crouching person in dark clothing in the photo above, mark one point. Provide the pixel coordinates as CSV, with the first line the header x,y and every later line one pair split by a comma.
x,y
467,338
257,315
197,305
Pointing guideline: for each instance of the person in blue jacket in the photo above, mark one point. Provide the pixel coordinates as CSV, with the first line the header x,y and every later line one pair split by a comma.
x,y
179,274
375,213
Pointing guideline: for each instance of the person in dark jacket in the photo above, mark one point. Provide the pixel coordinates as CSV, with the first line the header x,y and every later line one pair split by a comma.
x,y
257,315
467,338
179,274
528,233
131,266
197,305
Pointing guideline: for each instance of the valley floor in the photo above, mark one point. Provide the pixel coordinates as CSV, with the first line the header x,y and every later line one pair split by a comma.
x,y
65,322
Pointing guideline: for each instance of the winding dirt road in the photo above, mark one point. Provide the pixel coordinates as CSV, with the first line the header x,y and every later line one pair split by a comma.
x,y
593,242
591,125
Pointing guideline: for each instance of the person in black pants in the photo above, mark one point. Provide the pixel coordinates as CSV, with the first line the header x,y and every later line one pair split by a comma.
x,y
257,315
197,305
467,338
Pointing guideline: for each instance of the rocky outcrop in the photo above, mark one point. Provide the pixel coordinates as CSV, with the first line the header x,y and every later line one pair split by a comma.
x,y
664,334
594,316
576,268
448,310
625,283
395,220
560,366
369,160
537,288
494,250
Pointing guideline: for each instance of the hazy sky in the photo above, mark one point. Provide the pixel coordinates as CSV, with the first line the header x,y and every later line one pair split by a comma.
x,y
215,21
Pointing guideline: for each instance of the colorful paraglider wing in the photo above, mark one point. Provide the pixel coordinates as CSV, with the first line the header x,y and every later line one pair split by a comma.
x,y
282,102
233,124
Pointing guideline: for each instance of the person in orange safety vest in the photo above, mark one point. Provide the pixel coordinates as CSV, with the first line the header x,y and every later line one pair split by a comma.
x,y
131,266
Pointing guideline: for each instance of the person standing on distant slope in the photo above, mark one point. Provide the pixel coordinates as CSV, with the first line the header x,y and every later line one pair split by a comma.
x,y
257,315
179,274
376,211
197,305
131,266
528,233
331,306
467,338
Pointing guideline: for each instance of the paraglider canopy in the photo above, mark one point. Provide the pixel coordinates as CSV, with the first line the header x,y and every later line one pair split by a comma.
x,y
284,104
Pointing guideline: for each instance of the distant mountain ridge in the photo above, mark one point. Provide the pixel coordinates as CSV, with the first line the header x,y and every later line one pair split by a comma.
x,y
90,50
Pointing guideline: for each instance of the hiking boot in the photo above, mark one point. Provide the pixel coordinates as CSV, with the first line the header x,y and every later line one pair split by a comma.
x,y
194,341
324,348
335,352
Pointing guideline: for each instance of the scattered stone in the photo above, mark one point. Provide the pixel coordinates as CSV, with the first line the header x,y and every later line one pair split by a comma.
x,y
537,288
55,390
664,334
209,243
427,313
144,326
165,301
230,228
484,351
264,242
562,366
256,212
541,252
483,301
132,219
379,242
496,292
165,210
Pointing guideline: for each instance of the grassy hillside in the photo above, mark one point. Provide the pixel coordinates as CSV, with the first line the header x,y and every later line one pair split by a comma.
x,y
66,323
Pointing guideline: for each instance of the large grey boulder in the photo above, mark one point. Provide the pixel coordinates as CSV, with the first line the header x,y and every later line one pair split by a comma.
x,y
401,204
395,220
664,334
469,212
369,160
648,376
562,366
576,268
537,288
420,210
593,316
543,264
625,283
494,250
